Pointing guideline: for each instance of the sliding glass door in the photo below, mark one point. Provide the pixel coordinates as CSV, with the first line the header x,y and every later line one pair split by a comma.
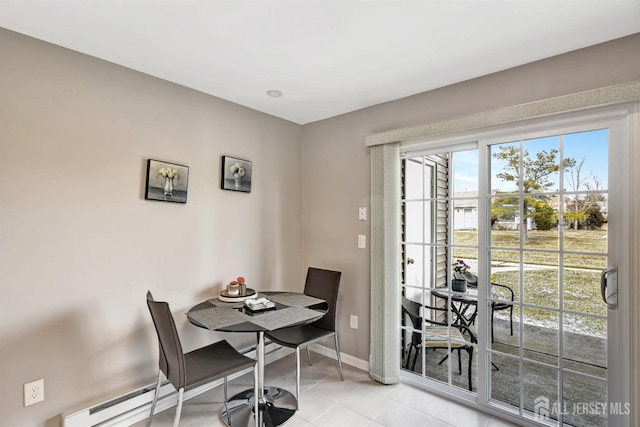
x,y
528,225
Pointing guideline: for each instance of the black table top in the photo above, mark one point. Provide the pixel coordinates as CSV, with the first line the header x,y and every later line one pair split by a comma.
x,y
469,297
292,309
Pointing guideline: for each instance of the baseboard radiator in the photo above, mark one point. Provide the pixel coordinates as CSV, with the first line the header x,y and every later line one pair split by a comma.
x,y
134,406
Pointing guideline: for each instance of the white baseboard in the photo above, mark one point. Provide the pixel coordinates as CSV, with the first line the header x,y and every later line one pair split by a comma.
x,y
132,407
345,358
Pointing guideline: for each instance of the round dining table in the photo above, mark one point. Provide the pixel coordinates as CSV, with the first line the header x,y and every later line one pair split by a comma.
x,y
262,406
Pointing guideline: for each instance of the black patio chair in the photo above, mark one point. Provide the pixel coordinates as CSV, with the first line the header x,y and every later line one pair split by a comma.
x,y
436,335
503,292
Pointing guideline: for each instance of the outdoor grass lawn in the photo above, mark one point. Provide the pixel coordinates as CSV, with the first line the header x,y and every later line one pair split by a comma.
x,y
591,241
581,275
581,294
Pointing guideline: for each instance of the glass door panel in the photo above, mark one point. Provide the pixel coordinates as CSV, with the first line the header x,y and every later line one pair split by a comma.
x,y
548,243
440,224
505,215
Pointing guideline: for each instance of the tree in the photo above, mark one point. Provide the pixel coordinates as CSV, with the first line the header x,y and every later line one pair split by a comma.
x,y
504,208
573,216
532,173
583,210
544,215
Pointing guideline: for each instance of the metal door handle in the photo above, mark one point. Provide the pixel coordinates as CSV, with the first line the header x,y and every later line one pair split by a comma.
x,y
609,287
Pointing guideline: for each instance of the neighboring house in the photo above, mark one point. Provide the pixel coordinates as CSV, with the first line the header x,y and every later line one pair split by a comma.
x,y
465,210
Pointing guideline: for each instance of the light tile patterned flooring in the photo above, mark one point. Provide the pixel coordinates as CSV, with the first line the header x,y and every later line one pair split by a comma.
x,y
327,401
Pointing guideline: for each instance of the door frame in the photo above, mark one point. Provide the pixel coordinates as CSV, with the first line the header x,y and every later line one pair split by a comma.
x,y
385,151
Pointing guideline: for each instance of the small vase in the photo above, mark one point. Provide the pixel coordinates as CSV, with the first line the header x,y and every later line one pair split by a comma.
x,y
458,285
168,187
233,290
237,180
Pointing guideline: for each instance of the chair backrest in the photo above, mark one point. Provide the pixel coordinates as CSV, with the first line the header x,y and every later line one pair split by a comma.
x,y
412,309
324,284
171,356
503,292
471,279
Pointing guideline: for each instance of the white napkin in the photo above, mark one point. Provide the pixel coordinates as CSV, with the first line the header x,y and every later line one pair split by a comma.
x,y
259,303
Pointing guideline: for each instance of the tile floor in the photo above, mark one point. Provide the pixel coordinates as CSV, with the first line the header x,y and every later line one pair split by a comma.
x,y
327,401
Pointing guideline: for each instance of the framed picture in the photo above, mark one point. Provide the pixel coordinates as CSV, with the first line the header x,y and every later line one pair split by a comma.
x,y
235,174
166,182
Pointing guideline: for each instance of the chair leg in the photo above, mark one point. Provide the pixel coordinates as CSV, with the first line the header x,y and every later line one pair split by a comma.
x,y
308,356
406,365
459,363
415,359
155,397
256,407
511,318
297,377
226,408
176,420
492,313
446,356
470,351
338,354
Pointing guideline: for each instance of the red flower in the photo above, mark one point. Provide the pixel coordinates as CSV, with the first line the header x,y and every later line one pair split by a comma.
x,y
241,280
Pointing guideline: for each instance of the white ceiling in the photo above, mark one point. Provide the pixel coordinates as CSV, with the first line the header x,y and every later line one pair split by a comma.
x,y
327,57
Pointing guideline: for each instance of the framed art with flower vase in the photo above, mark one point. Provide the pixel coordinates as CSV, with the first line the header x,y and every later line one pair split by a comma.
x,y
235,174
166,182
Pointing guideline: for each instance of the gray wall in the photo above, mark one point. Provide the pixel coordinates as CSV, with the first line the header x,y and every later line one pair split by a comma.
x,y
79,245
336,163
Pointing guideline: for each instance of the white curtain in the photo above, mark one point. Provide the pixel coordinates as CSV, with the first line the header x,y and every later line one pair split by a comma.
x,y
384,363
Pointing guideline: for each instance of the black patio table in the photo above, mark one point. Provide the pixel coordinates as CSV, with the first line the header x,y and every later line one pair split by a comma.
x,y
464,305
274,405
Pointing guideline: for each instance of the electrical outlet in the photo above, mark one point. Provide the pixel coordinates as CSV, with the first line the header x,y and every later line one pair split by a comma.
x,y
33,392
362,241
353,321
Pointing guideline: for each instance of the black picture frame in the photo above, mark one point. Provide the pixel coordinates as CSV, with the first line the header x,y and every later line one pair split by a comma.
x,y
235,174
166,182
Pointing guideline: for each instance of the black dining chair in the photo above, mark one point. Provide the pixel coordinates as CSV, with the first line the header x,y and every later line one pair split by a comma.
x,y
195,368
436,335
322,284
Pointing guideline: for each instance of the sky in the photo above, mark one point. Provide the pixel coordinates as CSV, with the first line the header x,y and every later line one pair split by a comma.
x,y
591,146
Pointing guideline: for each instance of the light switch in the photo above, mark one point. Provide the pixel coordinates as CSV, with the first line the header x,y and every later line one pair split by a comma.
x,y
362,241
362,213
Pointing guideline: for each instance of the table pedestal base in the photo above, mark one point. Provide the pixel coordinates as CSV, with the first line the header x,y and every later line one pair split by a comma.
x,y
277,408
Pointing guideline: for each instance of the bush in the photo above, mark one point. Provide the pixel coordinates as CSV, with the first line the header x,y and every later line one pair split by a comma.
x,y
594,221
544,216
